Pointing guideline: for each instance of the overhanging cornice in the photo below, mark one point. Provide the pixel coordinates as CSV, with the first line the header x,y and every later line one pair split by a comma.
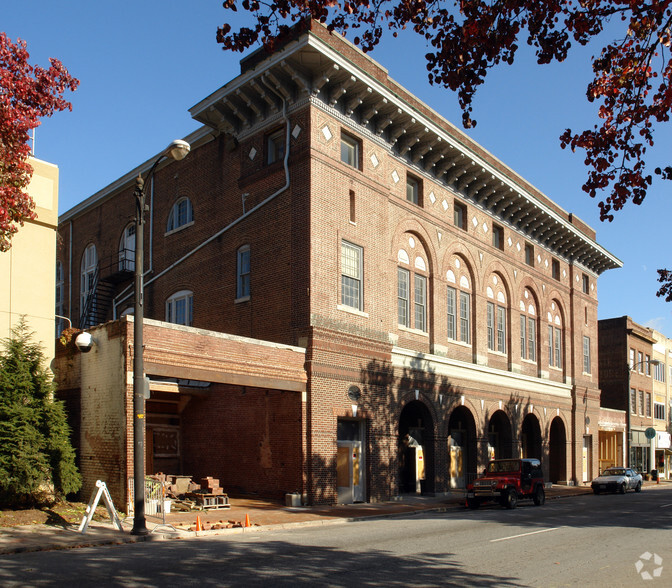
x,y
310,68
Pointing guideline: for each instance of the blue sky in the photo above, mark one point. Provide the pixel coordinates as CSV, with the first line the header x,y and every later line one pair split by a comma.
x,y
142,64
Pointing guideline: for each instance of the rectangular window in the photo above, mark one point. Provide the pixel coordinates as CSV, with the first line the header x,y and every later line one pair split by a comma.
x,y
351,275
498,237
558,347
633,401
349,150
659,372
586,355
550,345
460,215
465,313
586,284
501,329
353,217
648,404
180,308
413,190
531,339
641,402
243,279
647,365
420,302
659,411
403,278
491,325
450,313
555,269
640,362
523,336
529,254
632,358
275,147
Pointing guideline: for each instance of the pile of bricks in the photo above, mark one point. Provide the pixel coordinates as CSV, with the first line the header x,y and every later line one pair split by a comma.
x,y
211,485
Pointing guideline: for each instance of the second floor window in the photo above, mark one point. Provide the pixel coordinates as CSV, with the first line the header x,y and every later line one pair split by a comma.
x,y
458,314
351,275
420,302
180,308
181,214
243,273
496,327
586,355
528,337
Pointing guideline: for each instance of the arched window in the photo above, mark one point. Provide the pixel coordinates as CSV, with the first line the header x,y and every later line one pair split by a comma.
x,y
180,308
127,249
458,309
555,338
528,326
180,215
60,298
496,315
412,302
89,267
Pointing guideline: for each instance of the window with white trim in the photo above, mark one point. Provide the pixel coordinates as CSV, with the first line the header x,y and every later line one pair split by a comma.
x,y
555,339
528,327
659,372
659,411
243,272
350,148
496,318
586,355
412,302
181,214
180,308
352,275
127,249
458,303
87,301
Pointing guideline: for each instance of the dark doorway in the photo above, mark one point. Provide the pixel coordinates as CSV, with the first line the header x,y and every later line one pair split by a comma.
x,y
557,446
530,438
416,449
462,447
500,438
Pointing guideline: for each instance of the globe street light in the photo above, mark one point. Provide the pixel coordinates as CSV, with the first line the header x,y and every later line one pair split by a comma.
x,y
177,150
631,369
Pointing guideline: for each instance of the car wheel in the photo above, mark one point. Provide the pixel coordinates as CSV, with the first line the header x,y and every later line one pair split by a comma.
x,y
638,488
510,498
539,496
622,488
473,503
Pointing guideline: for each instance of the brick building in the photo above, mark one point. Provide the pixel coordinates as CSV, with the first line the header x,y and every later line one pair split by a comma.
x,y
440,299
633,364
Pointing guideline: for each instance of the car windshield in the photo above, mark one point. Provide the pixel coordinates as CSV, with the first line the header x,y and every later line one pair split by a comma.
x,y
614,472
504,465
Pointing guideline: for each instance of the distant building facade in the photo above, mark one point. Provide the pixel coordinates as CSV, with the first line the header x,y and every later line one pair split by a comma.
x,y
27,269
446,308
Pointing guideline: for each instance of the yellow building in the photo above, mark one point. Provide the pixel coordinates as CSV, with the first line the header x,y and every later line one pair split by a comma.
x,y
662,373
27,270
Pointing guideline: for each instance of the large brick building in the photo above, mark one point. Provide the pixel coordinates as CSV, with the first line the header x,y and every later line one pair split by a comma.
x,y
440,300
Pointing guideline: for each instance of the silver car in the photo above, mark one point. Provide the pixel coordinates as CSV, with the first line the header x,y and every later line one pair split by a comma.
x,y
617,479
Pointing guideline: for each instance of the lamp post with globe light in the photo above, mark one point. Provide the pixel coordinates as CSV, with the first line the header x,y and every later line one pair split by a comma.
x,y
177,150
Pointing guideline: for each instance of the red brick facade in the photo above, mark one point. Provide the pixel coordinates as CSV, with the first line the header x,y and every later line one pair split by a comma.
x,y
471,390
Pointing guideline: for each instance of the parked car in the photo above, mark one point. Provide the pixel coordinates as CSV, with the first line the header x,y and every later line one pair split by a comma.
x,y
507,480
615,479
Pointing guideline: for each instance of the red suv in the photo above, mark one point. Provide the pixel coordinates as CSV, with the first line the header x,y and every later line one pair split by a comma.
x,y
507,480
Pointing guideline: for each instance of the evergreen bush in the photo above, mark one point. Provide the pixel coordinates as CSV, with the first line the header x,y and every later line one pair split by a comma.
x,y
36,456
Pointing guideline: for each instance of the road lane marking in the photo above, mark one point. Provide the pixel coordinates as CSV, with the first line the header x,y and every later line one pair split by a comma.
x,y
525,534
665,505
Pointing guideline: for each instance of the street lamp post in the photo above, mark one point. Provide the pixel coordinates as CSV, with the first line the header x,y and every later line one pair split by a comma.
x,y
176,150
631,369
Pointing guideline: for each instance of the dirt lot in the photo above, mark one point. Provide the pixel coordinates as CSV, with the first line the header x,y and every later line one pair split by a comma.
x,y
62,514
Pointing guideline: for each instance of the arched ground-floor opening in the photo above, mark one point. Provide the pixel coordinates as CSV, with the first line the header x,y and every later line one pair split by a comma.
x,y
500,438
462,447
416,453
557,452
530,437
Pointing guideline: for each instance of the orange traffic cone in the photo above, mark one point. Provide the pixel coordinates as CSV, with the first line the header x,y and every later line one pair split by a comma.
x,y
199,526
247,520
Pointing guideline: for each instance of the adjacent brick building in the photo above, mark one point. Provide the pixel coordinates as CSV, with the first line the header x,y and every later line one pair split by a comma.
x,y
440,299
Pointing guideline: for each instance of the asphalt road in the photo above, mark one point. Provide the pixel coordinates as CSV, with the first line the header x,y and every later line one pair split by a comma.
x,y
587,541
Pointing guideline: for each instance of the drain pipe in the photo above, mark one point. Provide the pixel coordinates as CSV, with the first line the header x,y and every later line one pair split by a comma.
x,y
125,294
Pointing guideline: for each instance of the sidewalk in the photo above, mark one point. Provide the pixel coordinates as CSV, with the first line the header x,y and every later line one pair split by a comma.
x,y
263,515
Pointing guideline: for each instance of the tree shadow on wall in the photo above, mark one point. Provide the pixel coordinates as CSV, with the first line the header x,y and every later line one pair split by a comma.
x,y
395,402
